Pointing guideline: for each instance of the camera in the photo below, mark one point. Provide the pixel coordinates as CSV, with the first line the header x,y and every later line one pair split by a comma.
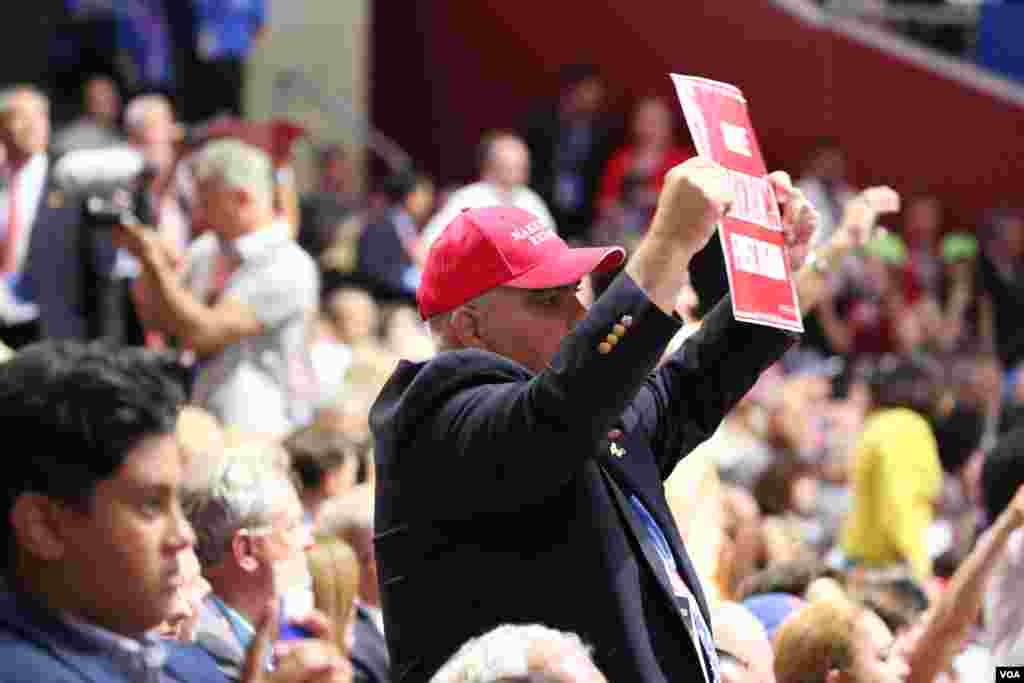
x,y
126,204
103,213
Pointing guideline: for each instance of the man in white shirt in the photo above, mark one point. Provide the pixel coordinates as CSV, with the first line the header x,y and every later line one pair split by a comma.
x,y
248,298
504,171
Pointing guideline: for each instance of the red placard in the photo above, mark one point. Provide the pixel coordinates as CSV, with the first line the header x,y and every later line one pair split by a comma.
x,y
756,259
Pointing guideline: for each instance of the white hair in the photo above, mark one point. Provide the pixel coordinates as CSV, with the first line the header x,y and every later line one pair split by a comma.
x,y
140,107
437,326
504,654
243,493
239,165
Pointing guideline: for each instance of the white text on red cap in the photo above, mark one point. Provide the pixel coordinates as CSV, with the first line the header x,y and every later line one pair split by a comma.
x,y
536,232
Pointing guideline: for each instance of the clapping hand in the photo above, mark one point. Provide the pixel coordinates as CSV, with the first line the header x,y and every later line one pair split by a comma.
x,y
311,660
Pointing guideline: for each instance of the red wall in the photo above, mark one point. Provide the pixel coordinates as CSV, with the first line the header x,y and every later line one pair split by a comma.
x,y
443,71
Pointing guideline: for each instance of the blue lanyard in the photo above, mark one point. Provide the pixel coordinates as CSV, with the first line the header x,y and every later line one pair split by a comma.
x,y
239,626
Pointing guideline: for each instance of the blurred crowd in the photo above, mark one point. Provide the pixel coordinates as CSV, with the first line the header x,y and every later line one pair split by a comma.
x,y
856,511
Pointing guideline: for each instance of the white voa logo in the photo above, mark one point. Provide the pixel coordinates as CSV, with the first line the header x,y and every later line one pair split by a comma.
x,y
1008,674
736,139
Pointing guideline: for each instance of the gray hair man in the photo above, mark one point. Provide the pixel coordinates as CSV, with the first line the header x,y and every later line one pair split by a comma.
x,y
251,543
247,298
521,654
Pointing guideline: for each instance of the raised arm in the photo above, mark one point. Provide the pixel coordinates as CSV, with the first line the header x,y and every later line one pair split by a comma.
x,y
858,227
960,603
685,401
520,440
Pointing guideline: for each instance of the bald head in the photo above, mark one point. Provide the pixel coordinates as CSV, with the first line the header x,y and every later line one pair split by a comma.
x,y
505,161
747,651
102,100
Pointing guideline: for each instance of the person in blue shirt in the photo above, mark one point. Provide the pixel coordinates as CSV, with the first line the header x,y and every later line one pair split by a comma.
x,y
225,32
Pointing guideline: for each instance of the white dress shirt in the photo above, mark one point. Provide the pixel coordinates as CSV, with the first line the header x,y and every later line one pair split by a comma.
x,y
483,194
29,183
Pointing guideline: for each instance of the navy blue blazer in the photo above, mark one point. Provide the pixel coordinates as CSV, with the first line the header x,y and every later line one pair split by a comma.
x,y
369,654
36,646
62,267
383,261
500,497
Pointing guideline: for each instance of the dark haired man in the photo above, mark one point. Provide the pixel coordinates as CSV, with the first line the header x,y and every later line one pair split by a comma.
x,y
569,143
326,464
389,249
92,524
94,531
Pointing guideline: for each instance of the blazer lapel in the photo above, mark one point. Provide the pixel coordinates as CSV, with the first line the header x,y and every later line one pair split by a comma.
x,y
641,536
42,224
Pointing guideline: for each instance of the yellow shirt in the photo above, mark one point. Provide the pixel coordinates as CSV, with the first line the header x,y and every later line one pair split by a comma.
x,y
897,477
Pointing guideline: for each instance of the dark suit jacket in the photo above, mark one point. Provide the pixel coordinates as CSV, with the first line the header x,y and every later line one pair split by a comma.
x,y
60,269
369,654
383,260
499,499
541,134
36,646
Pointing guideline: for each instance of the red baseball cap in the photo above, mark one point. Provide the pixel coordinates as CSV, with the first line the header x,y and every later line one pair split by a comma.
x,y
502,246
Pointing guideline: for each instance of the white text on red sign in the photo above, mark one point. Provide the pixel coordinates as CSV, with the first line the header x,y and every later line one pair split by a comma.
x,y
754,201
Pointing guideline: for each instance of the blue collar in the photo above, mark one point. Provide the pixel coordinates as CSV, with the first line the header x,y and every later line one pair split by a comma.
x,y
240,626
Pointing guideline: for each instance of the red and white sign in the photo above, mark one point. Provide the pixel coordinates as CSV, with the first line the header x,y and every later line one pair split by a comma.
x,y
761,284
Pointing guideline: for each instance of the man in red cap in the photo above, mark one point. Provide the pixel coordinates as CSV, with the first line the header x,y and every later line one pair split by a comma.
x,y
519,472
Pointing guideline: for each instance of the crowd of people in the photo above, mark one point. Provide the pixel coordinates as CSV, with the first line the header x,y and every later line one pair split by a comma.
x,y
504,431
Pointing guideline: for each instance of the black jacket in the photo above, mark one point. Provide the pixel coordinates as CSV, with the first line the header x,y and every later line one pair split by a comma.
x,y
369,654
499,498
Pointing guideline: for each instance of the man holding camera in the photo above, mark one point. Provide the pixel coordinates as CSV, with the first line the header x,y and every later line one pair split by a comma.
x,y
136,177
247,299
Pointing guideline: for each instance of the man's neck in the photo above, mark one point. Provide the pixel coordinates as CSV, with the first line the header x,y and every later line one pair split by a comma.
x,y
248,604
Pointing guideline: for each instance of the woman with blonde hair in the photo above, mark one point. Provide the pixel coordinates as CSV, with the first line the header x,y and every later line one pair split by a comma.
x,y
335,570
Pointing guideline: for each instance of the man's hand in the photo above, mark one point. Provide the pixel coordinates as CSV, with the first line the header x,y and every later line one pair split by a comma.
x,y
799,218
313,660
695,196
860,217
146,245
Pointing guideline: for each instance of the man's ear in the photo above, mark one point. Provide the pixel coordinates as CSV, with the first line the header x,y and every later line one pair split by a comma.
x,y
36,524
465,327
243,549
